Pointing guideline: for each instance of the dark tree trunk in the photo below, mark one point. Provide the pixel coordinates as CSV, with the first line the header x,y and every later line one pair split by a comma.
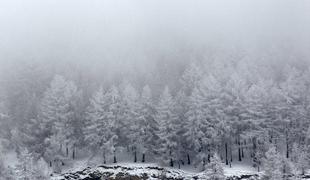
x,y
287,150
287,145
135,154
179,164
171,162
254,147
73,153
231,155
242,150
50,163
226,153
104,159
239,150
67,151
204,162
188,159
114,157
143,157
258,169
302,171
209,158
209,154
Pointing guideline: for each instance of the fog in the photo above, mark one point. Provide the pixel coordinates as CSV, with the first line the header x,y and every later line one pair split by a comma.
x,y
141,39
136,33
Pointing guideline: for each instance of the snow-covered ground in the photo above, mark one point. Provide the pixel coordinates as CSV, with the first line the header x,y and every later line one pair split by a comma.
x,y
152,169
10,159
239,168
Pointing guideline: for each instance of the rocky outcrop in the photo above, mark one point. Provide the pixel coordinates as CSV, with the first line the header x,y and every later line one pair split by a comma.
x,y
137,173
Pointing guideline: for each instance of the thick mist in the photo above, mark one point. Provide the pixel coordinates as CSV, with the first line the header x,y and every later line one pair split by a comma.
x,y
119,35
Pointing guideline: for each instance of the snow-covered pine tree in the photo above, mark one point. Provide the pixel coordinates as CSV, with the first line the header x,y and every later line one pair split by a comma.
x,y
26,169
214,111
235,113
292,108
33,136
132,118
299,158
214,169
197,127
257,115
97,129
191,78
272,165
56,116
74,124
181,107
166,119
147,123
117,124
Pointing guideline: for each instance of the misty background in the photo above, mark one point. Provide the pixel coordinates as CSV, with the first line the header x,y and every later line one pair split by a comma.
x,y
106,39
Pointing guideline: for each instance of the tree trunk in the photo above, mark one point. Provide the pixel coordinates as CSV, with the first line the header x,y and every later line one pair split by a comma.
x,y
114,157
50,163
258,169
287,146
239,150
231,154
242,150
226,153
188,160
302,171
135,154
73,153
67,151
171,162
143,157
287,150
104,159
204,162
254,147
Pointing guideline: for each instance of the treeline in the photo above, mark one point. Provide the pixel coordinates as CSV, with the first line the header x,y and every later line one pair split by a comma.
x,y
235,111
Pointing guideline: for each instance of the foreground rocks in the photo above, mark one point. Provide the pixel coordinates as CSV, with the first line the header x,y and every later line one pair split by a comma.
x,y
138,173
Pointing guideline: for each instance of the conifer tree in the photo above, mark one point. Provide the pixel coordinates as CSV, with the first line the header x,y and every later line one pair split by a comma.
x,y
197,127
214,170
56,115
272,165
147,123
166,118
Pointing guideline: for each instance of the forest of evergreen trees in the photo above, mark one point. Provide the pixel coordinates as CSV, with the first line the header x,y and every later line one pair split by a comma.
x,y
233,109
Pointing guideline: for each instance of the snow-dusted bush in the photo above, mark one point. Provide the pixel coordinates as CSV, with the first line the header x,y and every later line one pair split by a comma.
x,y
214,169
